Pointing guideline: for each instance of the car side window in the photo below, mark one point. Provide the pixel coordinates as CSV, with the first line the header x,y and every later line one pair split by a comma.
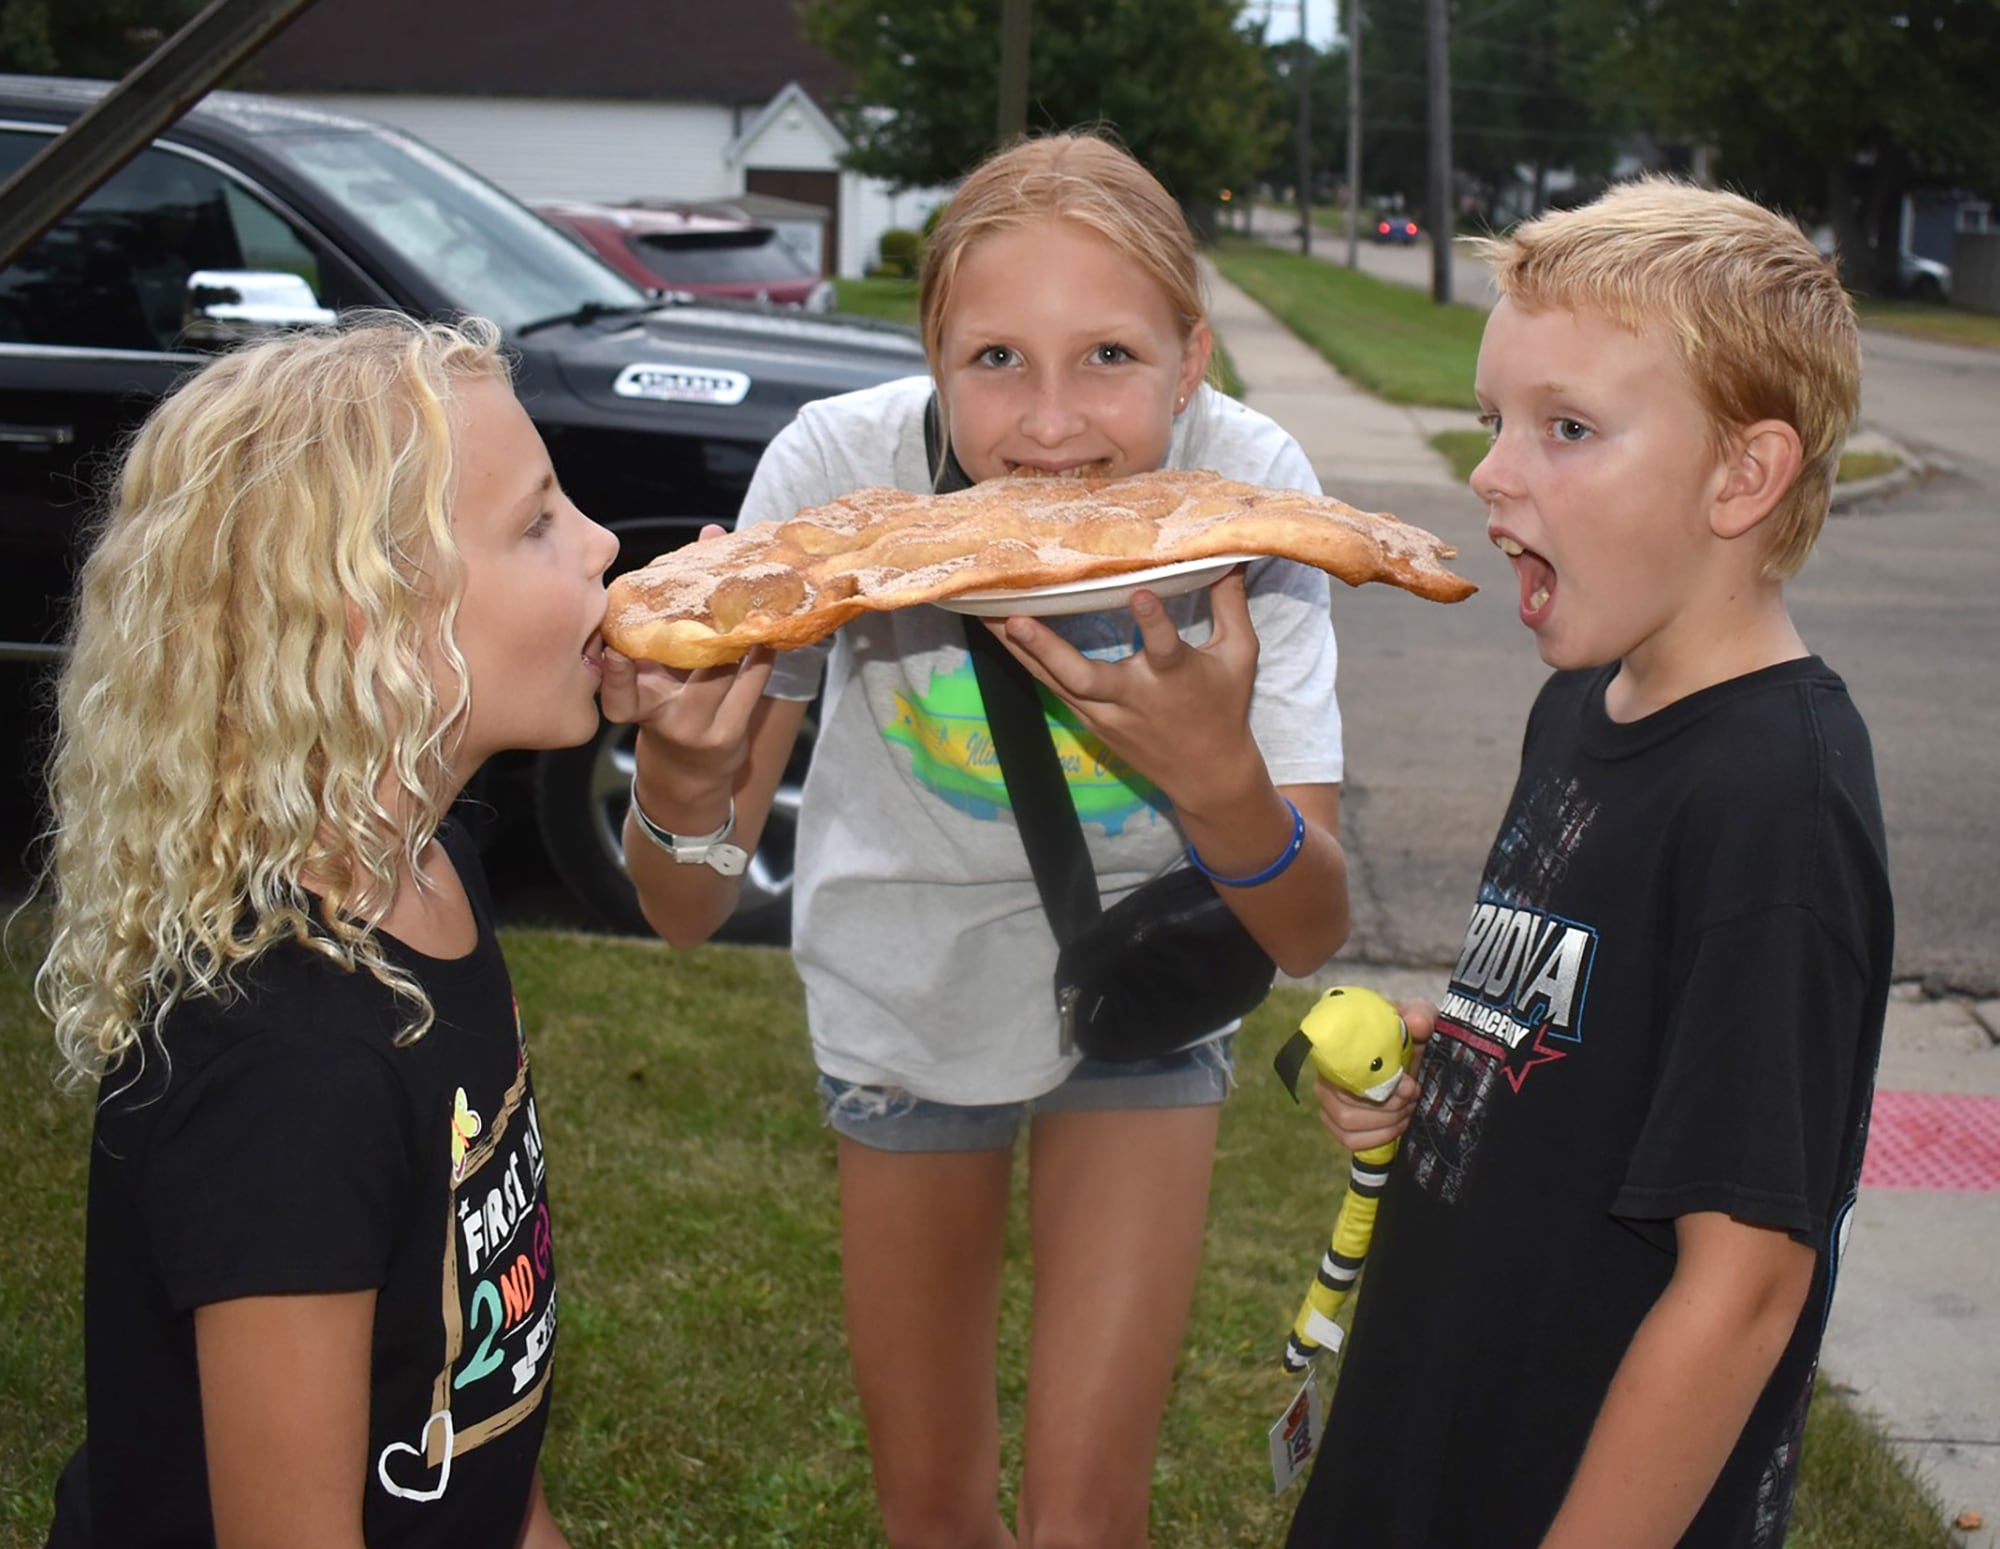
x,y
113,274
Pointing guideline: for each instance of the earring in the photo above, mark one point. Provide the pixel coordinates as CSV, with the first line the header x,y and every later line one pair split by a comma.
x,y
1180,403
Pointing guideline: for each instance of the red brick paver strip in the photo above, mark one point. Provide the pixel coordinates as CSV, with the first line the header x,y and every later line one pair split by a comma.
x,y
1933,1140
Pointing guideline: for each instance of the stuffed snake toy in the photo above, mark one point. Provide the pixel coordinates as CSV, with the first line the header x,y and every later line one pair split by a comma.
x,y
1354,1039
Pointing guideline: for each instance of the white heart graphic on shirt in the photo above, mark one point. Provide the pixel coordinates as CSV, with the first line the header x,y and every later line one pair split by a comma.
x,y
423,1445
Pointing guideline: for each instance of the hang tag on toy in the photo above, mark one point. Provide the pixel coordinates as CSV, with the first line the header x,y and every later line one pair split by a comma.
x,y
1295,1438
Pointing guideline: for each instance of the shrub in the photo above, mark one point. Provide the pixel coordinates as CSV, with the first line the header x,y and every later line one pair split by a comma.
x,y
901,250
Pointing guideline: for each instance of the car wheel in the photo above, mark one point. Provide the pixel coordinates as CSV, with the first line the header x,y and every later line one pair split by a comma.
x,y
580,799
1925,288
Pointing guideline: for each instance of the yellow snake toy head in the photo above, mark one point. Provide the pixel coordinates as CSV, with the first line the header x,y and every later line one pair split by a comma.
x,y
1355,1039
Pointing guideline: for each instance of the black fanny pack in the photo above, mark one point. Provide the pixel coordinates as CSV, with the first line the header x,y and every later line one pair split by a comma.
x,y
1164,966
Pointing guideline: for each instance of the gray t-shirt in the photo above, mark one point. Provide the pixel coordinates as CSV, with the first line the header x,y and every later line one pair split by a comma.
x,y
927,960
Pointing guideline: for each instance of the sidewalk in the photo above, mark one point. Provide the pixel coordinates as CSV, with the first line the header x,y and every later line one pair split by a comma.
x,y
1347,435
1914,1336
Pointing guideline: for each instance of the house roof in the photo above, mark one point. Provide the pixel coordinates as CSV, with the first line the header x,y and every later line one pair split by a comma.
x,y
675,50
794,99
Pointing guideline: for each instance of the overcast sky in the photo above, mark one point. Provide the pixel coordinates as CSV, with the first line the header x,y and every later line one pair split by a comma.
x,y
1322,19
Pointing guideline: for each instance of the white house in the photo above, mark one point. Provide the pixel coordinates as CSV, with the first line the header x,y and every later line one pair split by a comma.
x,y
606,100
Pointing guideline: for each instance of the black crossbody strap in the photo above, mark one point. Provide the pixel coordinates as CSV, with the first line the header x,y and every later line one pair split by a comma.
x,y
1044,810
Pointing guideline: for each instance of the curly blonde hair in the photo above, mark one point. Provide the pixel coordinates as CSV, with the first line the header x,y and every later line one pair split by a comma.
x,y
1756,313
251,712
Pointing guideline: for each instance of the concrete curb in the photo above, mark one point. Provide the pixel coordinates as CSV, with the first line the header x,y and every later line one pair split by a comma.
x,y
1912,466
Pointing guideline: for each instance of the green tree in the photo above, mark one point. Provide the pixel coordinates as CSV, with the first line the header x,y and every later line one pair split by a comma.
x,y
1525,100
1281,110
1833,109
1527,94
1181,82
86,37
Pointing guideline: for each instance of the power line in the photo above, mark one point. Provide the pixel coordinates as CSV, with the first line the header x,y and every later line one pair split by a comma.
x,y
1458,83
1491,131
1556,47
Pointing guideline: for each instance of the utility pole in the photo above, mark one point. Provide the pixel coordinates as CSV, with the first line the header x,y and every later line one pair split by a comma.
x,y
1353,19
1441,199
1303,67
1016,22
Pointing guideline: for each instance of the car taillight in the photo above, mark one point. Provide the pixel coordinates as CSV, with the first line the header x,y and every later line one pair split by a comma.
x,y
1383,228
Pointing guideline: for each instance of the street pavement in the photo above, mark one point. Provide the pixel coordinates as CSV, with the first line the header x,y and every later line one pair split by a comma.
x,y
1434,700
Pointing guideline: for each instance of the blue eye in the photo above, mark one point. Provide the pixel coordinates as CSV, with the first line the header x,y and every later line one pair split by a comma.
x,y
1570,430
996,355
1110,354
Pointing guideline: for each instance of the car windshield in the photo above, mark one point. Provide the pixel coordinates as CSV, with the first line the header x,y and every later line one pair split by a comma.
x,y
722,258
489,254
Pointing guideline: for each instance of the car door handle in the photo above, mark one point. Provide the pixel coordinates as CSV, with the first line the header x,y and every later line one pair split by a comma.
x,y
37,435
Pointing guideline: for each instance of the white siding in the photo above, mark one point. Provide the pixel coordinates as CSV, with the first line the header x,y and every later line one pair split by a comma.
x,y
569,149
870,209
794,143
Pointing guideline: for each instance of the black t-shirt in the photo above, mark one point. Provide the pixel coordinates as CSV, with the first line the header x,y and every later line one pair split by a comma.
x,y
284,1144
1669,1000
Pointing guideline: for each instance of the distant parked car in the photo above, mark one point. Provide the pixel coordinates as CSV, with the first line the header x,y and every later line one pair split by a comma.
x,y
1922,279
1399,229
1917,278
698,255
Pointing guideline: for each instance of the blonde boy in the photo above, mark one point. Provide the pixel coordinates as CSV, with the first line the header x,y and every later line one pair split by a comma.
x,y
1594,1307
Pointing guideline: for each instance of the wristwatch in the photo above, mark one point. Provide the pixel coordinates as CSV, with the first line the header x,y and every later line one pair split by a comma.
x,y
698,850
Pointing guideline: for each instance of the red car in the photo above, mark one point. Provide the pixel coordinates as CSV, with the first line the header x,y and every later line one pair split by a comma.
x,y
701,255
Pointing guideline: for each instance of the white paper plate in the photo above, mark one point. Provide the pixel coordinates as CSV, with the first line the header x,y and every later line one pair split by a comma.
x,y
1112,591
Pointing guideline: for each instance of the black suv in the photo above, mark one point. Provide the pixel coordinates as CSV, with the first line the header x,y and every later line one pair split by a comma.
x,y
251,214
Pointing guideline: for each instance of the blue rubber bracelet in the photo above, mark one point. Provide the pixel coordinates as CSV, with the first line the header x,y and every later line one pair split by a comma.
x,y
1291,853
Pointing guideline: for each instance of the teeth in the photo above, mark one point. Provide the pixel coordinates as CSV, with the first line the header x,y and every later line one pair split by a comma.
x,y
1539,600
1508,546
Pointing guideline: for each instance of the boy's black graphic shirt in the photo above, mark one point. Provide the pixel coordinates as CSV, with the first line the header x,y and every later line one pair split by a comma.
x,y
1668,1000
284,1144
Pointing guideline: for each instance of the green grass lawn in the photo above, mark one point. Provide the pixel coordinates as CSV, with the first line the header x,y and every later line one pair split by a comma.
x,y
1927,320
1390,339
702,1395
895,300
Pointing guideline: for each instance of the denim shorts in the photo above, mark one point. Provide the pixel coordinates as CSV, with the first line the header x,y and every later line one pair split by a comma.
x,y
889,1119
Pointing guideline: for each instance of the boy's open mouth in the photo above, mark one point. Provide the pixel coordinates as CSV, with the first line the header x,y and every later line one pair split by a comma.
x,y
1536,575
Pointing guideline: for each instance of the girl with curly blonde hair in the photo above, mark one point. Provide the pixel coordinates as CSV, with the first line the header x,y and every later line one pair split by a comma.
x,y
338,574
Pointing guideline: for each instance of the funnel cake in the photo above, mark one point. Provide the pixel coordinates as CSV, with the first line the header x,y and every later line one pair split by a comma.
x,y
786,584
